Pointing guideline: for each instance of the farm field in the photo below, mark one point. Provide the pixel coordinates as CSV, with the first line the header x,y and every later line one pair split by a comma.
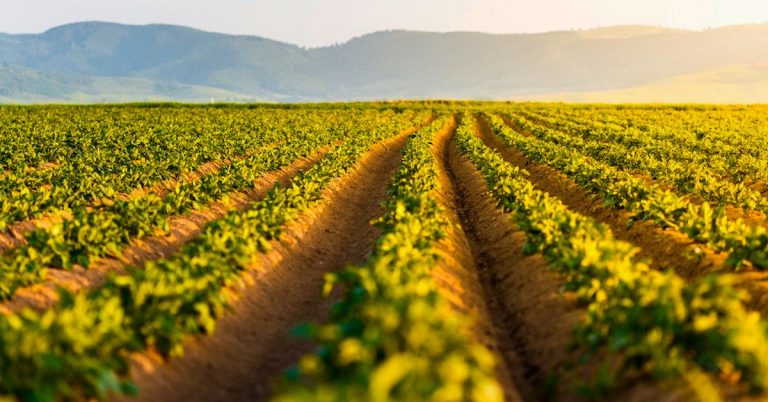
x,y
398,251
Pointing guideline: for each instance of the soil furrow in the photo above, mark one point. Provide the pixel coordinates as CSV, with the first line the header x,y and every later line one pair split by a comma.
x,y
663,249
182,229
458,280
532,319
667,248
14,235
251,347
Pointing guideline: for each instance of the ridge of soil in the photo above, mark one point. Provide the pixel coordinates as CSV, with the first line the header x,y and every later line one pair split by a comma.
x,y
457,277
526,303
251,347
182,229
14,235
660,248
667,247
750,217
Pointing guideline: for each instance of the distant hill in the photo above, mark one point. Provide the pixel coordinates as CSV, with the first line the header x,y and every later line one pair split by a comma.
x,y
95,61
625,31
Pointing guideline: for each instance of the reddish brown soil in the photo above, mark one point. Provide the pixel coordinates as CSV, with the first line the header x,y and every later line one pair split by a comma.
x,y
457,273
14,236
663,249
754,218
183,228
666,248
43,166
251,347
533,319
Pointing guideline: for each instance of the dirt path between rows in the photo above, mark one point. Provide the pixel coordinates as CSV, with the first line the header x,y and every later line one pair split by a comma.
x,y
667,248
182,229
457,276
663,249
532,317
251,347
752,218
14,235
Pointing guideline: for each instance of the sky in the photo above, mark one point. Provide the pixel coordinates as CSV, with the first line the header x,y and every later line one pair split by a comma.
x,y
324,22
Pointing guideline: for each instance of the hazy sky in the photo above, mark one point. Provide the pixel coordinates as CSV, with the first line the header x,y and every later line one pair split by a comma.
x,y
322,22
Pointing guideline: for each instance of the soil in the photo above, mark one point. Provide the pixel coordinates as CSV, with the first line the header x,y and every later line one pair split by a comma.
x,y
661,248
182,229
518,306
251,347
457,273
533,318
751,217
516,303
14,236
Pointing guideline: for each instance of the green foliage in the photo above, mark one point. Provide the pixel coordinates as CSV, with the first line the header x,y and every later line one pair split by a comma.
x,y
392,336
105,230
654,321
79,348
619,188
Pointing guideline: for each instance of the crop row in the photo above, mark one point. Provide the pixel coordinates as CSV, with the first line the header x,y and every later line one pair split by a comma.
x,y
658,159
700,222
91,234
654,321
392,336
733,140
101,160
79,349
654,135
104,231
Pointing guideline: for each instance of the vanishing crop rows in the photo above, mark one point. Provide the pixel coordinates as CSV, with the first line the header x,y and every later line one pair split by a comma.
x,y
99,265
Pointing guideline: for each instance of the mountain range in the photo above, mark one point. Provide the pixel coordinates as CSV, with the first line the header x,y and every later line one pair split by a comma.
x,y
107,62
